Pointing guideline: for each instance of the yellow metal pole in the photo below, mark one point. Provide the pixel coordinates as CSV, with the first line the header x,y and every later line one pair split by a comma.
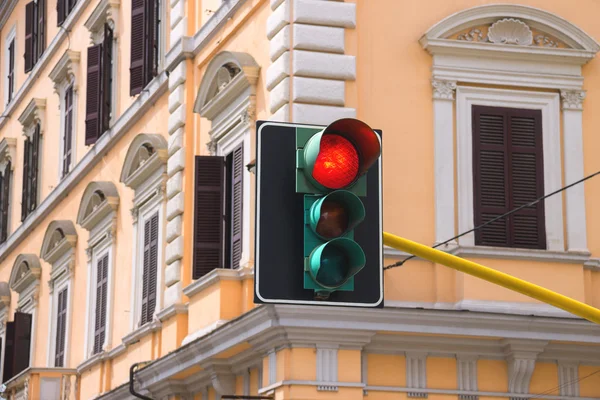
x,y
491,275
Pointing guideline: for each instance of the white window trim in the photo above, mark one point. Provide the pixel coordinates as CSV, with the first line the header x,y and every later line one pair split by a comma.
x,y
4,309
27,303
8,149
549,104
61,278
162,46
146,210
12,35
225,145
98,249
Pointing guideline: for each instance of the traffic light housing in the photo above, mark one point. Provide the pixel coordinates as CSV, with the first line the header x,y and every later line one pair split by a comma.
x,y
318,227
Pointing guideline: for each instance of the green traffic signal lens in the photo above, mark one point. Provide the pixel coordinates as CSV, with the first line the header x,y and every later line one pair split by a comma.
x,y
333,263
336,214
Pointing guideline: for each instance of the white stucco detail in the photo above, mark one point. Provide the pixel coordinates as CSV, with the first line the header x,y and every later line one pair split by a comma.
x,y
175,141
177,76
280,43
318,91
174,250
177,12
172,294
278,70
177,119
173,273
324,65
280,95
176,162
321,115
278,19
179,30
175,206
174,228
176,98
174,184
328,13
319,38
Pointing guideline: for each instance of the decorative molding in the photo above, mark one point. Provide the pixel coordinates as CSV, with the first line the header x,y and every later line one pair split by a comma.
x,y
66,70
521,356
469,394
416,373
593,264
33,114
510,31
60,237
214,276
171,311
6,9
568,379
222,379
272,366
91,361
467,375
105,11
8,151
146,154
98,201
572,99
26,270
139,333
327,368
4,299
443,90
474,35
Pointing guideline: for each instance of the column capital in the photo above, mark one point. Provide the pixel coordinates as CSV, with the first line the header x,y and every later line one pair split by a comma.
x,y
443,90
572,99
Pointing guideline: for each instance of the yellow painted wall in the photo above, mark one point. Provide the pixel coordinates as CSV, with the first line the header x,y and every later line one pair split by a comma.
x,y
492,375
544,378
386,370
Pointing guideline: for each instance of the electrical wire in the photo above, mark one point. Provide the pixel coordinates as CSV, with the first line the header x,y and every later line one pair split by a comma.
x,y
570,383
534,202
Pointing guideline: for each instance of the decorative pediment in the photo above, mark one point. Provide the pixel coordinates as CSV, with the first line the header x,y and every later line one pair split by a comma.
x,y
8,149
107,11
98,201
26,271
226,77
33,114
147,154
66,70
60,237
525,32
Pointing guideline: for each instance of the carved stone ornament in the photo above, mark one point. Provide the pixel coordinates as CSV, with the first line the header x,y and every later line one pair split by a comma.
x,y
443,89
545,41
474,35
510,31
212,147
249,115
572,99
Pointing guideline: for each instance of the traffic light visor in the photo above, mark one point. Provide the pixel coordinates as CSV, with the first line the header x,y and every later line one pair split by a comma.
x,y
336,214
332,264
340,154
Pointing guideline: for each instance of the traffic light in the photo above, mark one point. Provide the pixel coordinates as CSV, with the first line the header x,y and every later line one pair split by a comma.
x,y
330,171
318,214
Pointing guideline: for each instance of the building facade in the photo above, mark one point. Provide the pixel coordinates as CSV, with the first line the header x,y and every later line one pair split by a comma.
x,y
127,146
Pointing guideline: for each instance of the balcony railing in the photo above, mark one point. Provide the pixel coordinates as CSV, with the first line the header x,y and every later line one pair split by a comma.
x,y
43,383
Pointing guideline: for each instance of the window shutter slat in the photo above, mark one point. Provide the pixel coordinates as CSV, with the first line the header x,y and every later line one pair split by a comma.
x,y
138,47
68,134
22,341
9,352
34,168
6,178
149,38
237,206
61,316
40,40
106,91
29,23
92,109
508,172
100,320
208,215
11,70
145,272
150,267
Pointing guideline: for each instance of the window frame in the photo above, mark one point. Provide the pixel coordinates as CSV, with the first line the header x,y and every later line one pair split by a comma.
x,y
10,38
63,88
61,278
549,105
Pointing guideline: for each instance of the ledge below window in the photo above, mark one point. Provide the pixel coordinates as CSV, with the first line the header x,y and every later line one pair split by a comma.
x,y
569,257
140,332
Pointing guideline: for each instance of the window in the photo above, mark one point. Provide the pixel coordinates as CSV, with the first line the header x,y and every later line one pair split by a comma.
x,y
145,171
30,173
10,65
67,145
65,76
63,9
99,98
98,215
58,250
146,34
19,346
218,212
35,32
508,173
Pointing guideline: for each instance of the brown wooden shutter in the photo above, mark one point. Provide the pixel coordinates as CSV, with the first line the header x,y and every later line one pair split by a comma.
x,y
149,40
68,134
29,22
22,341
93,95
34,168
155,45
26,180
5,202
40,39
508,172
61,12
150,268
106,97
138,47
9,352
101,289
208,215
11,70
61,329
237,191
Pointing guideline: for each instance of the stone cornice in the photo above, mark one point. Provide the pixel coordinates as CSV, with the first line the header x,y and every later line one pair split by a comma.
x,y
33,114
66,69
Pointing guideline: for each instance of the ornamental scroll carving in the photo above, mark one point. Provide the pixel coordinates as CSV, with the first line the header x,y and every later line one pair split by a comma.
x,y
509,31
